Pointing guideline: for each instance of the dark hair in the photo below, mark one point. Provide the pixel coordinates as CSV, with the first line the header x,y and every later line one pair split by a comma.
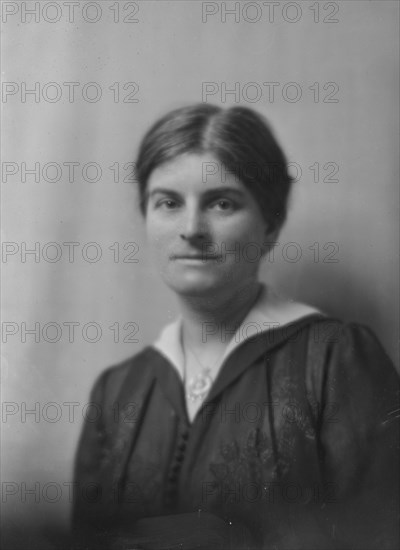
x,y
238,137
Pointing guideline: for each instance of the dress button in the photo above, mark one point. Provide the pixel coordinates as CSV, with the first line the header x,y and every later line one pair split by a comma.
x,y
179,458
173,475
185,435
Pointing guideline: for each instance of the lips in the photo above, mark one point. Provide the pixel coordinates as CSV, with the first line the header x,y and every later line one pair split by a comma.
x,y
202,257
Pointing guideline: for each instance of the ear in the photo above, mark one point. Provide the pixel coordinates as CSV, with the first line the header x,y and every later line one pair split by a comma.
x,y
270,240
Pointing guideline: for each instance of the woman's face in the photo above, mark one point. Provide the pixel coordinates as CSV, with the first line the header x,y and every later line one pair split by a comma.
x,y
205,227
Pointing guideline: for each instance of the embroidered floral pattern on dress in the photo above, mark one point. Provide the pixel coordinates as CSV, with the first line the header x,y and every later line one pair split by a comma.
x,y
147,487
243,464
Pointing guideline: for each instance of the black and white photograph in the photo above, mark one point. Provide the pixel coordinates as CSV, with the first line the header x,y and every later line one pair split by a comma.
x,y
200,275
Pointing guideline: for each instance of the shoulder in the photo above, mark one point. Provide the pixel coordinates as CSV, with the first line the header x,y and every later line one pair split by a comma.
x,y
135,369
345,339
333,353
328,334
327,331
345,360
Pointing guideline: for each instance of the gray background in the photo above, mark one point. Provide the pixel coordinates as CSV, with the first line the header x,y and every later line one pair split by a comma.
x,y
170,52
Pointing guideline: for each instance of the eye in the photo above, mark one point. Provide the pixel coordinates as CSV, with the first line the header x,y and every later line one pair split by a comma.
x,y
224,205
167,204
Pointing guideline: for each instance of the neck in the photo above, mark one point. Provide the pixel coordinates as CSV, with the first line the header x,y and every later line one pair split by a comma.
x,y
214,320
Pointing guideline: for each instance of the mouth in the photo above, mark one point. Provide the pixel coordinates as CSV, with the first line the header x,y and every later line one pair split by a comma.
x,y
196,257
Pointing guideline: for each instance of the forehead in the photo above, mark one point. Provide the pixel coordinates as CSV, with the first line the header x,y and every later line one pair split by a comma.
x,y
193,171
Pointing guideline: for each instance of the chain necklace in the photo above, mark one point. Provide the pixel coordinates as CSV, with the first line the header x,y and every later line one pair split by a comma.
x,y
200,384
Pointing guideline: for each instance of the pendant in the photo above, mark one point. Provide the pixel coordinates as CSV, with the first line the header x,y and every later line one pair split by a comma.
x,y
199,386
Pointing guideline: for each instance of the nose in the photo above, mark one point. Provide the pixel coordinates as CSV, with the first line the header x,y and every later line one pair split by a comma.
x,y
194,225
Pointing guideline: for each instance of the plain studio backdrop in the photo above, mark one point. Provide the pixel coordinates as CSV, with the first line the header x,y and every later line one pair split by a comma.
x,y
82,82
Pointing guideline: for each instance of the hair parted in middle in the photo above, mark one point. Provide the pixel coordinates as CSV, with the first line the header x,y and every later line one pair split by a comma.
x,y
238,137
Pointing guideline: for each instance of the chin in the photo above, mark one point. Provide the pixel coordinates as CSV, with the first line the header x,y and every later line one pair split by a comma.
x,y
195,285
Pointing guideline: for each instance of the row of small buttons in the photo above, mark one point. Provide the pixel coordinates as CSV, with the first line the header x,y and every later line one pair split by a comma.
x,y
172,488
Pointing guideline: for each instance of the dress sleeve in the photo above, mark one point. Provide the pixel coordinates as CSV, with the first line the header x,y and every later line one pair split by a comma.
x,y
359,441
88,482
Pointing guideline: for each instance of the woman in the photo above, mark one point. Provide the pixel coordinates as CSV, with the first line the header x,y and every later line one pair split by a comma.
x,y
253,421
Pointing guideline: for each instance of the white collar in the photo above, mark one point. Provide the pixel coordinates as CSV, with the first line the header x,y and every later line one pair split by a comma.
x,y
270,311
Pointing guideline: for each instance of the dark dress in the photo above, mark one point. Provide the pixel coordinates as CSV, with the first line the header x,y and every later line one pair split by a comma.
x,y
296,446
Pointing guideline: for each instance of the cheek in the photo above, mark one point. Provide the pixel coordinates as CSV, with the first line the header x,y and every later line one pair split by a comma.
x,y
155,228
161,239
247,239
243,231
156,237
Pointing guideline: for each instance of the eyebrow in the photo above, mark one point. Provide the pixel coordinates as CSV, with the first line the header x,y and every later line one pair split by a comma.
x,y
161,191
210,193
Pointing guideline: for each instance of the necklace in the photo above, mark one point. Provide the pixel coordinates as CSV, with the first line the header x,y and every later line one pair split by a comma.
x,y
200,384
